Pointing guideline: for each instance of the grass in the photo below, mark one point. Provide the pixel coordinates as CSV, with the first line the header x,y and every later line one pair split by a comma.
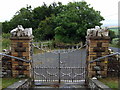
x,y
115,30
36,51
110,82
114,45
5,41
8,81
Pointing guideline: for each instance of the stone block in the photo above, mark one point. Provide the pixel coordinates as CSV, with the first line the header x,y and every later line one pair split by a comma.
x,y
94,53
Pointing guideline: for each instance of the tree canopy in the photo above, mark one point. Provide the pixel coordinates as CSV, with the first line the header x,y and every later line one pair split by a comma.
x,y
64,23
74,20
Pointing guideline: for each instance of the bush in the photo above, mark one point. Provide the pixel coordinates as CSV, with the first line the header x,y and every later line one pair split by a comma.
x,y
5,43
116,42
6,35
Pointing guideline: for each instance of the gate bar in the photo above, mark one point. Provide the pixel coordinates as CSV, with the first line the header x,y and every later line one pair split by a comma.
x,y
59,65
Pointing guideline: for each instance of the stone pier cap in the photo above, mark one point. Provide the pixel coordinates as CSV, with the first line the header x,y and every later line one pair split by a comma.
x,y
20,33
98,33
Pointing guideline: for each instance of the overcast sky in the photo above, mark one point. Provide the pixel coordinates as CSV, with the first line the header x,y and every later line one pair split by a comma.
x,y
108,8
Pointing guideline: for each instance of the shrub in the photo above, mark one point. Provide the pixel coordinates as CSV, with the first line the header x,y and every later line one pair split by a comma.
x,y
116,42
6,35
5,43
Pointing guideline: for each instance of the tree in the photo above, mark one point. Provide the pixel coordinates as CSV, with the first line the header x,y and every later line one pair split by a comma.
x,y
6,27
22,17
40,13
73,21
43,17
45,30
112,35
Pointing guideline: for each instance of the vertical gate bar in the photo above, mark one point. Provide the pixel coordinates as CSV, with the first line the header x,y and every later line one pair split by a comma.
x,y
82,69
81,64
72,73
46,72
59,66
33,76
118,73
73,65
86,68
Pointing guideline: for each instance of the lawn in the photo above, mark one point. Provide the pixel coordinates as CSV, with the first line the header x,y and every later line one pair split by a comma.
x,y
115,30
110,82
8,81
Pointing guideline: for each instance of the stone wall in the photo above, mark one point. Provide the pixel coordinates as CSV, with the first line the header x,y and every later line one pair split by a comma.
x,y
6,66
21,47
97,47
24,84
113,66
94,84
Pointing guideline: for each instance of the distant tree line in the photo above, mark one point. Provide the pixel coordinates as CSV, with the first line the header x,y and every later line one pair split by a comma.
x,y
64,23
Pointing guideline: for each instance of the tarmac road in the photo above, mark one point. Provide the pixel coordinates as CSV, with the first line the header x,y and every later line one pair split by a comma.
x,y
115,49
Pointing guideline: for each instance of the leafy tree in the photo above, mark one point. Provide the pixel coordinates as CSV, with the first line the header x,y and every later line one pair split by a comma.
x,y
112,35
66,23
31,18
40,13
44,21
45,30
73,21
6,27
22,17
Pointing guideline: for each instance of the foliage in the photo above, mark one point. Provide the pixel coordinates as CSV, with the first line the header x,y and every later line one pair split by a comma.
x,y
64,23
6,35
115,29
116,41
71,23
74,20
5,43
29,18
112,35
45,30
22,17
5,40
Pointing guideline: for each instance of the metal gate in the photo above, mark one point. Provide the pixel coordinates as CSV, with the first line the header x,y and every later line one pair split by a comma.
x,y
59,66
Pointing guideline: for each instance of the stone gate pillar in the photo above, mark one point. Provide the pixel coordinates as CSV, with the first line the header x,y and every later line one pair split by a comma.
x,y
97,47
21,47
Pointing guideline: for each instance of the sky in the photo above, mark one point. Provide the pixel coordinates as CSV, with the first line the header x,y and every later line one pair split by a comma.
x,y
108,8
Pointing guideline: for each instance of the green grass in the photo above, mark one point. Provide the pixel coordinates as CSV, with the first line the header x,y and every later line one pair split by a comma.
x,y
115,30
114,45
110,82
5,41
8,81
36,51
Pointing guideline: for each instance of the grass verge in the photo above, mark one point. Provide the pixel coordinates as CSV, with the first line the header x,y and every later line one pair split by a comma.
x,y
113,45
110,82
8,81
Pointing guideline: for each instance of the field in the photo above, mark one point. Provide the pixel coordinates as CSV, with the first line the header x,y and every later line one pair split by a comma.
x,y
115,30
110,82
8,81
